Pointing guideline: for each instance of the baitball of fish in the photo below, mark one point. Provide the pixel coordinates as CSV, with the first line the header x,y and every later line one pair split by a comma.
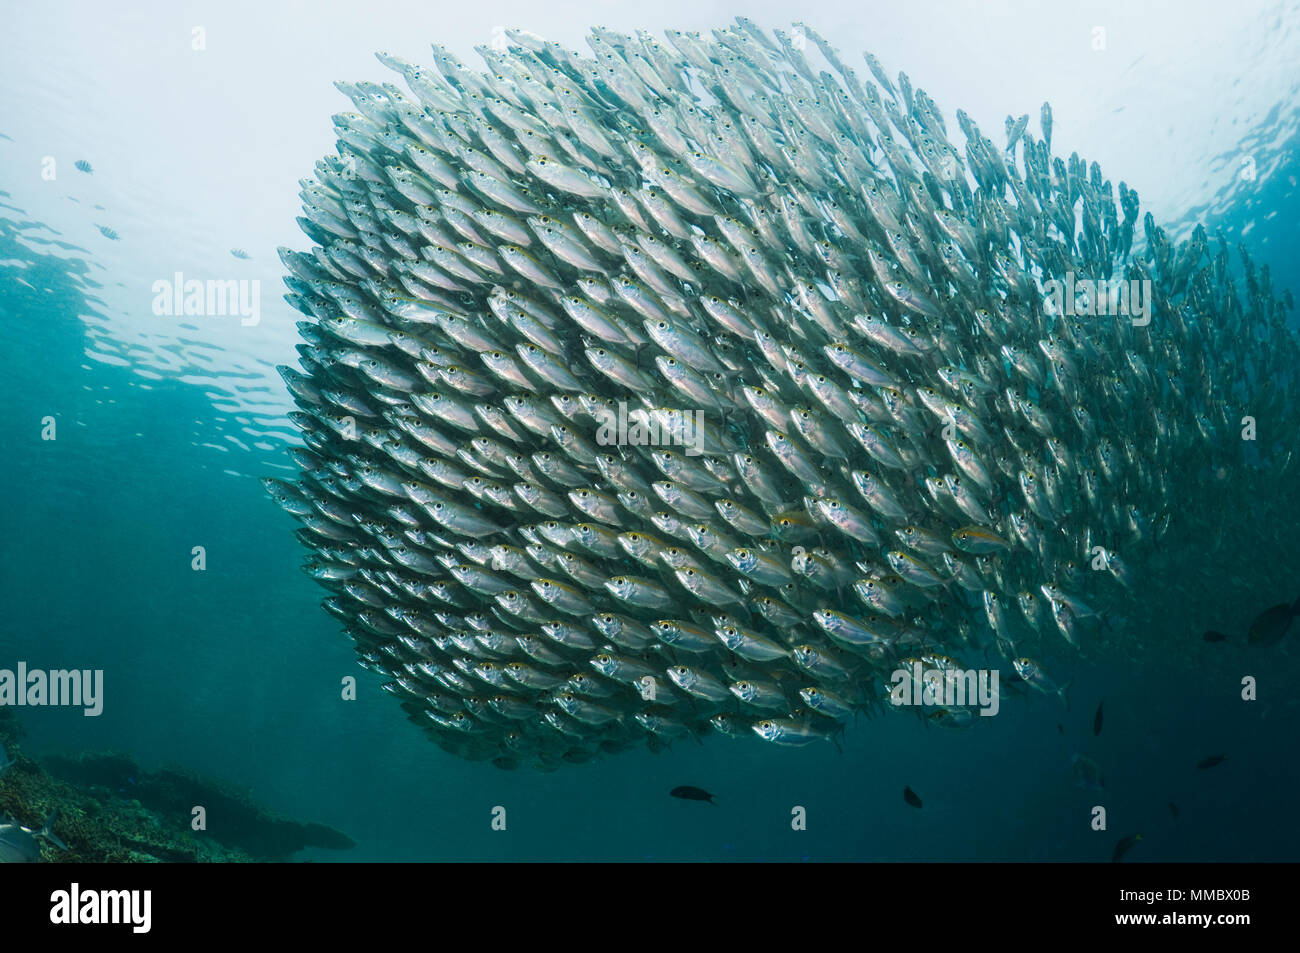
x,y
694,386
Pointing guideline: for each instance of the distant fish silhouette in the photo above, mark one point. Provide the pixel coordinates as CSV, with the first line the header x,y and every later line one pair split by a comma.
x,y
911,798
1086,774
107,232
1173,809
1124,846
84,166
240,253
1271,624
1213,636
1211,761
688,793
1096,720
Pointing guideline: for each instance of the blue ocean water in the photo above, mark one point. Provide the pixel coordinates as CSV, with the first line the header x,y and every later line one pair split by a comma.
x,y
164,424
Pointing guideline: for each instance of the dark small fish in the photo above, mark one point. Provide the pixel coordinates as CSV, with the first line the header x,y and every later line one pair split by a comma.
x,y
1211,761
1271,624
1096,720
1173,809
1060,728
84,166
1124,846
108,233
911,797
240,253
688,793
1212,636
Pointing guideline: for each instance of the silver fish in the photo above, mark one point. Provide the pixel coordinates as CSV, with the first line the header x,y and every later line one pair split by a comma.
x,y
584,348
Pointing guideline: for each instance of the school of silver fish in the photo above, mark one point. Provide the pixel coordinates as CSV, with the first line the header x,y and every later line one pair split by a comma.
x,y
907,449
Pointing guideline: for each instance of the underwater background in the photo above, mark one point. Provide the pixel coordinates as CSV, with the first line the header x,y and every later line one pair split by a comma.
x,y
165,424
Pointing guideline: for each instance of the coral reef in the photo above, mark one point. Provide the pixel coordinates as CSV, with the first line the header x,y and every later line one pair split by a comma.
x,y
111,810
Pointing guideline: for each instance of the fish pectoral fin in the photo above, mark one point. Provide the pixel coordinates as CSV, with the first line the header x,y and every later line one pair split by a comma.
x,y
54,839
48,834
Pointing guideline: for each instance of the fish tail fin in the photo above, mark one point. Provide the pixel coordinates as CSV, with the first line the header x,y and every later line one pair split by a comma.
x,y
48,834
